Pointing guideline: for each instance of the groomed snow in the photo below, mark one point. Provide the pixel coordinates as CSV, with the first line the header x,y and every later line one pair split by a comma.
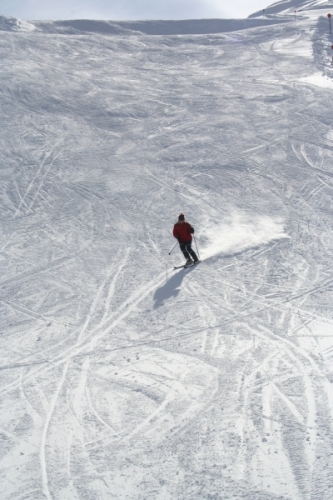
x,y
121,378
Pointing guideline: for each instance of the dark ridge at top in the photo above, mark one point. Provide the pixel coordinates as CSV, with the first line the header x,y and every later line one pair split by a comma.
x,y
184,27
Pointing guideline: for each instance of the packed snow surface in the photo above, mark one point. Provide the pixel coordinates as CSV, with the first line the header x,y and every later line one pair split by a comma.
x,y
121,378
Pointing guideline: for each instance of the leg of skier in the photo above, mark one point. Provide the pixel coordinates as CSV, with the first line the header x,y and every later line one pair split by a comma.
x,y
191,252
183,247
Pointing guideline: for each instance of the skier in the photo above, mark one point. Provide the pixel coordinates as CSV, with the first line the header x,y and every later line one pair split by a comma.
x,y
183,231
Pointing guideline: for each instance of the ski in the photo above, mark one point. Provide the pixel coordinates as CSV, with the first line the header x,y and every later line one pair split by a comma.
x,y
185,266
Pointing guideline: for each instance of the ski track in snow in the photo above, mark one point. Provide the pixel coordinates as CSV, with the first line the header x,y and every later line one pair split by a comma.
x,y
121,378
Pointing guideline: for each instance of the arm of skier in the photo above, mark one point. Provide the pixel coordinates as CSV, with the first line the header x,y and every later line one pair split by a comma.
x,y
175,233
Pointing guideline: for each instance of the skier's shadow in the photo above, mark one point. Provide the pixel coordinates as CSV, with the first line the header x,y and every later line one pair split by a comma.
x,y
170,289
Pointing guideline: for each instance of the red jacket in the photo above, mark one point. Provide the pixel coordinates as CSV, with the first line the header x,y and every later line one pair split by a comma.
x,y
183,231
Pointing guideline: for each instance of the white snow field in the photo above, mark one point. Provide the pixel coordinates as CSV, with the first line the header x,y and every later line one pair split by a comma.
x,y
121,378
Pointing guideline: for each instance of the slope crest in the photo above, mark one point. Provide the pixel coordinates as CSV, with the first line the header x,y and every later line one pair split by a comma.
x,y
151,27
12,24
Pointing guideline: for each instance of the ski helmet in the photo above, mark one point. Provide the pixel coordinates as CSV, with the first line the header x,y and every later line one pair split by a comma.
x,y
181,217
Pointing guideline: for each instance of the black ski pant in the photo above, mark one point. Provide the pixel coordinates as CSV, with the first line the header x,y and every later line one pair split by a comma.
x,y
188,252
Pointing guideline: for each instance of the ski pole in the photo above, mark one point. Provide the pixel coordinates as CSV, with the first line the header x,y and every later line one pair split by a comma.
x,y
172,249
196,246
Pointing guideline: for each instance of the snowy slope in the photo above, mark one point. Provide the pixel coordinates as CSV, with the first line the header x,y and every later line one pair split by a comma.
x,y
290,6
121,378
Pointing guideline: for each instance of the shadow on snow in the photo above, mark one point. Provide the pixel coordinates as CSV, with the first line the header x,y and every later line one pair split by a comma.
x,y
170,289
